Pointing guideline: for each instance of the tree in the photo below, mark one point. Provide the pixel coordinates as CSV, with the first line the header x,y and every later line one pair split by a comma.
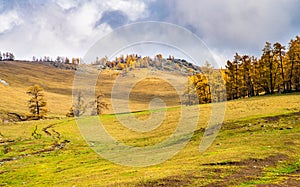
x,y
247,88
232,76
190,92
100,104
67,60
37,103
71,112
203,88
279,57
79,106
293,65
256,76
210,84
270,67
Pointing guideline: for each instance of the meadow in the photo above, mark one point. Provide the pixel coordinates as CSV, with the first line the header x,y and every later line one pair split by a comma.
x,y
262,147
258,143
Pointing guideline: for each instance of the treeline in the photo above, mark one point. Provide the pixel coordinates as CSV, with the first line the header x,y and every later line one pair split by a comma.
x,y
59,59
124,62
59,62
205,87
133,61
276,71
7,56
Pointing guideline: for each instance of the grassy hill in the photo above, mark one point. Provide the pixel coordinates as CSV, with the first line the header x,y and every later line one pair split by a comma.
x,y
255,146
20,75
57,84
258,143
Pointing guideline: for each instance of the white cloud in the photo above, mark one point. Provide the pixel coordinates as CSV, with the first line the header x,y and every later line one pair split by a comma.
x,y
60,27
9,20
134,9
70,27
52,31
234,23
221,57
67,4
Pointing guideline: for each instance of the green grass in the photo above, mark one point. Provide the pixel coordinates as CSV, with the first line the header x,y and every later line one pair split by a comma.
x,y
271,132
257,144
279,174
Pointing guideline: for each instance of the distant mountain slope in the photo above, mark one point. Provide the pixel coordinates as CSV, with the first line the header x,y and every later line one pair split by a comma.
x,y
57,83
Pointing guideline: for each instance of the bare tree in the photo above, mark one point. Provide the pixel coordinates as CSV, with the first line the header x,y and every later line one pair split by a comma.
x,y
79,106
100,104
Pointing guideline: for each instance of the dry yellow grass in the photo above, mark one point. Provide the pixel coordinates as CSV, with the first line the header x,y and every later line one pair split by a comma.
x,y
57,84
237,142
250,133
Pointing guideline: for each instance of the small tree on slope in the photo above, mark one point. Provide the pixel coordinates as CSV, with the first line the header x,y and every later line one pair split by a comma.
x,y
37,103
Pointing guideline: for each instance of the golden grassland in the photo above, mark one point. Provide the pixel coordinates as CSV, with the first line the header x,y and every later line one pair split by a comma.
x,y
20,75
258,142
58,83
262,147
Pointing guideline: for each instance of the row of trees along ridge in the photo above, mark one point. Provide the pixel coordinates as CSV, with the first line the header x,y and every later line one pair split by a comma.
x,y
7,56
132,61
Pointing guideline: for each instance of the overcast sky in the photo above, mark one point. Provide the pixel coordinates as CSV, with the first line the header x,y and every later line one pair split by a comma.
x,y
71,27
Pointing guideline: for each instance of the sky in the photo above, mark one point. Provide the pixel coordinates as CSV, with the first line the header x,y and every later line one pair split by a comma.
x,y
70,27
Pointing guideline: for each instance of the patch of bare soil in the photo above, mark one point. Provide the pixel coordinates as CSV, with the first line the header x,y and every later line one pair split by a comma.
x,y
251,169
292,180
247,170
272,118
172,181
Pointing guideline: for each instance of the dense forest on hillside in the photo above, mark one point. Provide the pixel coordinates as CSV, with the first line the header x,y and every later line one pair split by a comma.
x,y
276,71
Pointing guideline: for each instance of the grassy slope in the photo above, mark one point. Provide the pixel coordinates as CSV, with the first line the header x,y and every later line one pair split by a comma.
x,y
20,75
258,144
57,84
